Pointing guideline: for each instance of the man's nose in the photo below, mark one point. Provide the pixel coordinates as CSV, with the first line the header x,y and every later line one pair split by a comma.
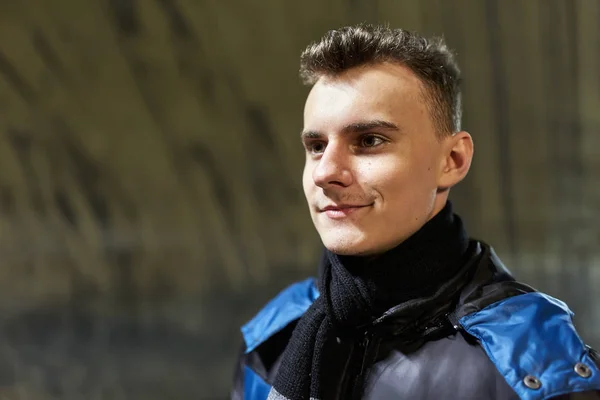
x,y
334,167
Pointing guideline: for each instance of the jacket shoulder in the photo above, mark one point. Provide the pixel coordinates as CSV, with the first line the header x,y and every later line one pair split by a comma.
x,y
284,308
533,343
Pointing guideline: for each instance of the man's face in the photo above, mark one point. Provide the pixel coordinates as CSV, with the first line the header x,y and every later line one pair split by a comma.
x,y
373,159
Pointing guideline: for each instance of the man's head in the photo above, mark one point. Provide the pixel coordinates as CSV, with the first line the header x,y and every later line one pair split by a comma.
x,y
382,135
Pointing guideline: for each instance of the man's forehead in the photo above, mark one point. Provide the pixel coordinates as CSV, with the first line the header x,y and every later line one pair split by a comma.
x,y
380,92
372,77
374,85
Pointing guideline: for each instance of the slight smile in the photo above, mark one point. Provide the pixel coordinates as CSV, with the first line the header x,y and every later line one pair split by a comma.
x,y
342,210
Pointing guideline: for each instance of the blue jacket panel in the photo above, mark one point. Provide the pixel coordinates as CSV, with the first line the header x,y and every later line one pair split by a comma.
x,y
531,340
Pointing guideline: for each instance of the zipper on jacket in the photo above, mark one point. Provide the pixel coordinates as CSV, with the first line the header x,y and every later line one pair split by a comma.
x,y
369,348
343,381
365,347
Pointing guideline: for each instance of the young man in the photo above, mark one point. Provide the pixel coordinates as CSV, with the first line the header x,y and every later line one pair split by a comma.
x,y
406,305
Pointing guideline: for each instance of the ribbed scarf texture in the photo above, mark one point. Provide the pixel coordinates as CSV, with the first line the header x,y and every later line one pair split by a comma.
x,y
357,290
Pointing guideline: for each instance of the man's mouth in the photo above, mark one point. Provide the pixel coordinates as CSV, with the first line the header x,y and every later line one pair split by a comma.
x,y
337,211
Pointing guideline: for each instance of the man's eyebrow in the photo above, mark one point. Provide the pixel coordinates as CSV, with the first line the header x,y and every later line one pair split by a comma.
x,y
311,135
355,127
363,126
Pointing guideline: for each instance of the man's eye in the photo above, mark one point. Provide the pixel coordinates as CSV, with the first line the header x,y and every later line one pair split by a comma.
x,y
315,147
370,141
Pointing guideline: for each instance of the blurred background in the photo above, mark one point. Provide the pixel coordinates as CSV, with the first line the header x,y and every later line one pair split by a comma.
x,y
150,164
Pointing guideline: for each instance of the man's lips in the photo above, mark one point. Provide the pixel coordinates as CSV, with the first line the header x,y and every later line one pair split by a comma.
x,y
341,210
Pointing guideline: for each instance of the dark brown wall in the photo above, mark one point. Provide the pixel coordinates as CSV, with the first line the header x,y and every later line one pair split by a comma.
x,y
150,165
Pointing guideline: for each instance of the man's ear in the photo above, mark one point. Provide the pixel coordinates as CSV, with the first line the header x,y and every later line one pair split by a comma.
x,y
456,161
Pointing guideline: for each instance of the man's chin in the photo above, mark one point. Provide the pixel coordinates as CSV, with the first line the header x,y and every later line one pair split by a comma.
x,y
347,246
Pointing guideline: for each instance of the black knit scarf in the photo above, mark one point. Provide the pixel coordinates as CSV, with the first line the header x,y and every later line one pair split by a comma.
x,y
357,290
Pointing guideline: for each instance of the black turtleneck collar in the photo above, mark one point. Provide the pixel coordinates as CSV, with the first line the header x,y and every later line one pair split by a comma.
x,y
355,291
416,267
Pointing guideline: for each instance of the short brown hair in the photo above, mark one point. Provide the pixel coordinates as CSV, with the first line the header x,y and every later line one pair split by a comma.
x,y
430,59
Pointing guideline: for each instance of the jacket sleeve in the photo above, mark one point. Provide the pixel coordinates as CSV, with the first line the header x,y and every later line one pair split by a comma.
x,y
237,390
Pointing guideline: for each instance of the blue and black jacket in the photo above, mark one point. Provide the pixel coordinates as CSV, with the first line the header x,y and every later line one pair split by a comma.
x,y
481,336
